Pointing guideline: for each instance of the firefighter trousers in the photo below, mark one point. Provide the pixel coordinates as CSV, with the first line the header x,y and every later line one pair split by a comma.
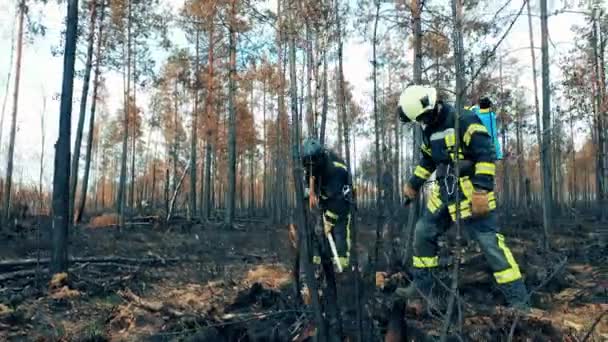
x,y
482,229
336,218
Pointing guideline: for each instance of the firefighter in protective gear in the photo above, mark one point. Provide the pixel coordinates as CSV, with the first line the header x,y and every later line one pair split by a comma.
x,y
475,185
333,191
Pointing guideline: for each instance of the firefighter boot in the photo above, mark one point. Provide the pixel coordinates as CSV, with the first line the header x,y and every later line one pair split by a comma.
x,y
420,286
424,286
516,294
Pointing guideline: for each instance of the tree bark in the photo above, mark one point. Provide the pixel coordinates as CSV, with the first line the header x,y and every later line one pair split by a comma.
x,y
8,182
194,138
83,106
325,104
231,166
546,142
304,228
208,112
120,202
87,167
8,80
133,127
61,176
377,137
460,89
416,132
599,77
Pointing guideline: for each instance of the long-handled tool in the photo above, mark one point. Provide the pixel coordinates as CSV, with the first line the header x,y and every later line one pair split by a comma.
x,y
334,251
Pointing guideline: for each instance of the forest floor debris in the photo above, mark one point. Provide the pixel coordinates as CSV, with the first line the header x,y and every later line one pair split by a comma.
x,y
231,284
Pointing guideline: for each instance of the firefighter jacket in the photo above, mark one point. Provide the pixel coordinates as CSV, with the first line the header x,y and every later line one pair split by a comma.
x,y
476,154
332,179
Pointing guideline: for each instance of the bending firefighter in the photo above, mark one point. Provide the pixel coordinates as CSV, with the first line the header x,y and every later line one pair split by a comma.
x,y
328,183
476,184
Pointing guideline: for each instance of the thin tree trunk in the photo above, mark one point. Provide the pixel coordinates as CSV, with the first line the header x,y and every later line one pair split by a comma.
x,y
506,202
231,165
599,103
42,146
208,111
352,220
310,120
61,176
133,129
83,106
460,89
546,142
85,181
8,80
376,137
11,144
265,139
520,159
325,105
175,146
120,202
305,232
416,133
194,138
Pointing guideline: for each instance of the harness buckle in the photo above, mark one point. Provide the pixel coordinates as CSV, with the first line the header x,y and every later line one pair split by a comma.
x,y
449,186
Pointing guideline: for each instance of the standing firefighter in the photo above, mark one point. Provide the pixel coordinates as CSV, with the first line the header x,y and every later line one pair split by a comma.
x,y
476,184
328,183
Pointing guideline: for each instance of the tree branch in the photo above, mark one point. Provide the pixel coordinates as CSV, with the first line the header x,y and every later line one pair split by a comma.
x,y
493,52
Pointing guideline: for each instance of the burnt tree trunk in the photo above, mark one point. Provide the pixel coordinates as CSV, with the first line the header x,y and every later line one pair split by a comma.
x,y
8,182
83,106
61,175
87,167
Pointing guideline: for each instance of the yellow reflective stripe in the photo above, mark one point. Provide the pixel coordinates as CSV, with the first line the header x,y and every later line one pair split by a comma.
x,y
426,262
472,129
464,205
343,261
507,276
316,260
450,139
425,149
465,210
492,204
432,206
512,273
463,215
422,172
484,110
434,202
331,214
485,168
467,186
338,164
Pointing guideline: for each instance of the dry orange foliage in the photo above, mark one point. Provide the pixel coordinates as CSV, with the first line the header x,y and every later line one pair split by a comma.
x,y
273,276
293,235
104,220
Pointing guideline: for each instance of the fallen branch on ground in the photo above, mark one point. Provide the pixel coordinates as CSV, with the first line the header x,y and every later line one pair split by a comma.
x,y
149,305
20,274
9,265
597,321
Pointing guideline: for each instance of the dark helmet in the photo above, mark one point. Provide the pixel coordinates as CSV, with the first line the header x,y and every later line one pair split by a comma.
x,y
485,102
312,150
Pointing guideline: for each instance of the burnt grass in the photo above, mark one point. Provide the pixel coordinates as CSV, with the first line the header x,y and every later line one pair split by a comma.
x,y
186,281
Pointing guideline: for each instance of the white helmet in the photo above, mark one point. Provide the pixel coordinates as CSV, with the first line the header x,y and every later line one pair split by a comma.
x,y
416,100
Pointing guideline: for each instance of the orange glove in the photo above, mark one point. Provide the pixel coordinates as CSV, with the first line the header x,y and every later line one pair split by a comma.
x,y
480,205
409,192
